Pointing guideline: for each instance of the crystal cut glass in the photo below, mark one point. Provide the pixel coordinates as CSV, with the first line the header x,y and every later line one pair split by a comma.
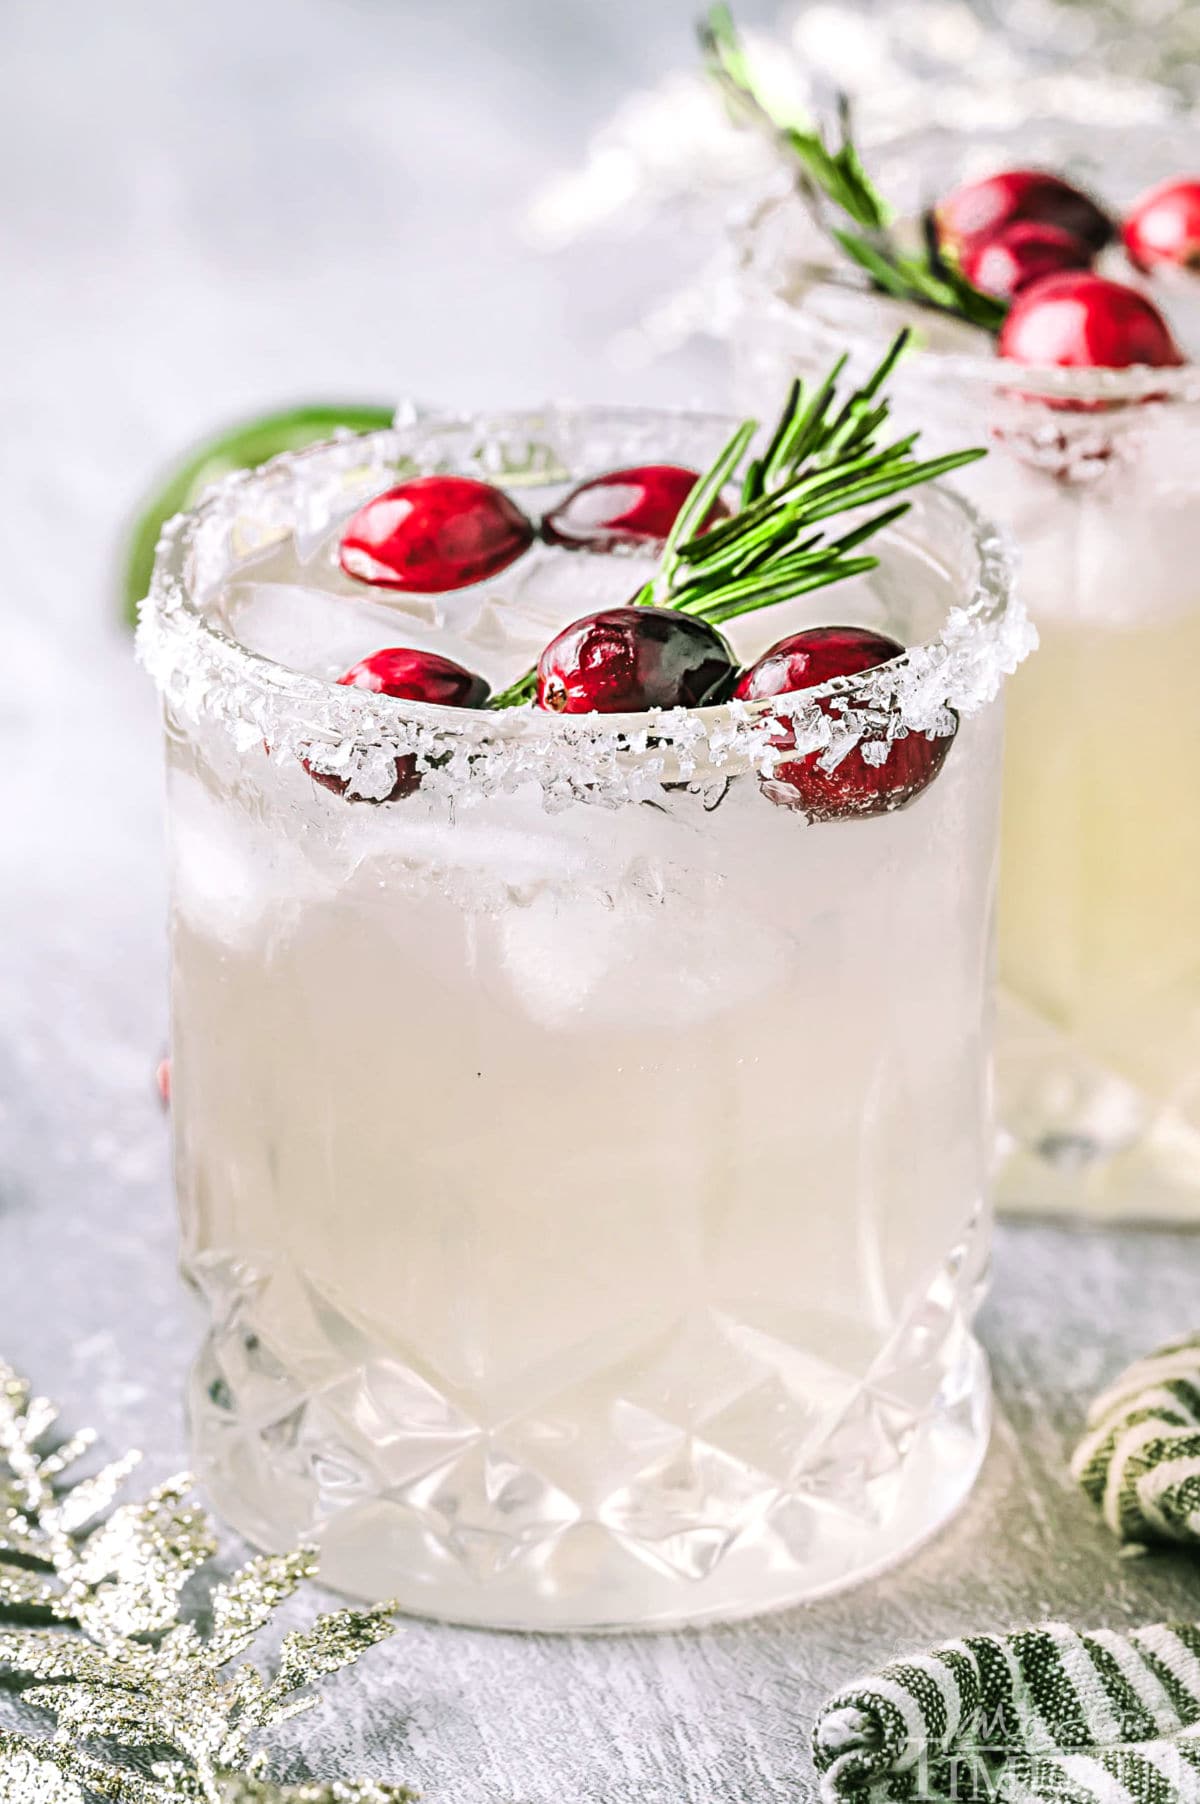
x,y
583,1161
1094,474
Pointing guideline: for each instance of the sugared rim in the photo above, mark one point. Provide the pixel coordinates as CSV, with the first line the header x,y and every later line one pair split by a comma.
x,y
984,372
206,675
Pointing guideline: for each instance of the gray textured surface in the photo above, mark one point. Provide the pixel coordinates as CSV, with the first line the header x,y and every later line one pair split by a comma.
x,y
210,210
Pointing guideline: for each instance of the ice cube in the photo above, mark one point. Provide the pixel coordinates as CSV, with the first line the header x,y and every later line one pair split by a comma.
x,y
519,612
481,863
640,962
322,633
313,563
235,877
305,612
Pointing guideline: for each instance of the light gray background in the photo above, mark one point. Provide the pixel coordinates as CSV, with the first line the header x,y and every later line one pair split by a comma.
x,y
208,209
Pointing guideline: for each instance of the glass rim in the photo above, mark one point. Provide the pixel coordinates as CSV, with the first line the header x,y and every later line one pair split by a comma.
x,y
985,372
202,671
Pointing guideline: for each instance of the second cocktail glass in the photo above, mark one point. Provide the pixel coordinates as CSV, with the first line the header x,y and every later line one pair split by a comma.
x,y
1096,476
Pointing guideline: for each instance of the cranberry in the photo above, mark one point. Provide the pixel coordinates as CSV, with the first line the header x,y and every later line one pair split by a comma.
x,y
853,788
1020,255
417,676
634,507
1086,322
411,676
625,660
434,533
980,209
1164,226
162,1081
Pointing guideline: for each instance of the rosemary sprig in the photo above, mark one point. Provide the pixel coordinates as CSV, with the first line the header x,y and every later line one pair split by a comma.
x,y
823,459
836,176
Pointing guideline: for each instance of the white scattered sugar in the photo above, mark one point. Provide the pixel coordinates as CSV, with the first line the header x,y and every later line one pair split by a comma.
x,y
206,676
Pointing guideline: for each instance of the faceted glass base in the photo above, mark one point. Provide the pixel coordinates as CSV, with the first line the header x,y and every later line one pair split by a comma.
x,y
586,1510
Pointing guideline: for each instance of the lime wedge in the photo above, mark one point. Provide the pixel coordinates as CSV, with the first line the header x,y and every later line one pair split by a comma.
x,y
240,447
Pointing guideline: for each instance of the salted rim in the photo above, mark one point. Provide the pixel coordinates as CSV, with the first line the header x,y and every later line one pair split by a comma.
x,y
205,675
990,372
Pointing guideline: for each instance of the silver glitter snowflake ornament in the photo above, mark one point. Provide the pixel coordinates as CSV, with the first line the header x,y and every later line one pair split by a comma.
x,y
147,1709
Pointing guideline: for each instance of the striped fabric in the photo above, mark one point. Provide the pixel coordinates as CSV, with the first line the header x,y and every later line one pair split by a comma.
x,y
1140,1460
1045,1714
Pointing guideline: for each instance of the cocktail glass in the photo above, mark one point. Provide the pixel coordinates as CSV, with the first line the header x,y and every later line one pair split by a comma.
x,y
582,1160
1095,475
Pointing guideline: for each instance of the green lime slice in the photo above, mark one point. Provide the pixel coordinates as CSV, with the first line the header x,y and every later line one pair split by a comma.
x,y
241,447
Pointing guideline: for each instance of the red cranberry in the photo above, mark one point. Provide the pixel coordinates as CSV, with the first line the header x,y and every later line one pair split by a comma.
x,y
434,533
981,209
1020,255
853,788
162,1081
626,660
411,676
1086,322
1164,226
634,507
417,676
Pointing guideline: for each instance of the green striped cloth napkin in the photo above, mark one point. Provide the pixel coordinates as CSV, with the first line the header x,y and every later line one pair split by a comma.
x,y
1140,1459
1045,1714
1048,1715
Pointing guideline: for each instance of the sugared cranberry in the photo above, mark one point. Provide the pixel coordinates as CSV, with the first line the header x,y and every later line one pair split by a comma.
x,y
634,507
1164,226
625,660
854,788
410,676
434,533
1086,322
1020,255
981,209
